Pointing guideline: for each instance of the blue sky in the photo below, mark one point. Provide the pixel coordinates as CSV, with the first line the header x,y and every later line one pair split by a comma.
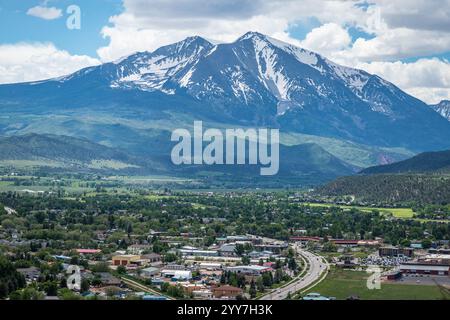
x,y
22,27
405,41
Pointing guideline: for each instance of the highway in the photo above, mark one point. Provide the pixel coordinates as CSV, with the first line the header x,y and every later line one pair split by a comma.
x,y
317,266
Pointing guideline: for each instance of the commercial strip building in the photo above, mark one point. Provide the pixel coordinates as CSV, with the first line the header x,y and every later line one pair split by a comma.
x,y
126,260
253,270
198,253
414,268
395,252
228,292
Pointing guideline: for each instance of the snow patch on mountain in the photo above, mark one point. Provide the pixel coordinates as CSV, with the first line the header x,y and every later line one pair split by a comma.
x,y
443,108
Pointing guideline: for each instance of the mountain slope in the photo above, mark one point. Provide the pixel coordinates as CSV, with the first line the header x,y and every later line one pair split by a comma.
x,y
60,151
424,162
443,108
303,164
388,190
135,102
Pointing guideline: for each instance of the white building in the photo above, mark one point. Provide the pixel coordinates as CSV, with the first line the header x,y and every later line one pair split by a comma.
x,y
178,275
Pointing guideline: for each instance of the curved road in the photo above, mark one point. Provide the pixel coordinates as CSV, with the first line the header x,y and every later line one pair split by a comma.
x,y
317,266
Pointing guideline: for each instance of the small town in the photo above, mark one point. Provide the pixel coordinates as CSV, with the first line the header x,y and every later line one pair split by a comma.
x,y
124,262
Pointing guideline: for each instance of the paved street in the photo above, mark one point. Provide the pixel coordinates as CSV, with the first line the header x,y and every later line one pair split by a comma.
x,y
316,267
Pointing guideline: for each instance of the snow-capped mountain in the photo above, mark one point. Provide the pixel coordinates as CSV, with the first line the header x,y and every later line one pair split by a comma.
x,y
254,69
443,108
256,80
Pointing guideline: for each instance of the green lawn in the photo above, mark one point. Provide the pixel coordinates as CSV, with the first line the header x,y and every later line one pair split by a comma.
x,y
404,213
344,283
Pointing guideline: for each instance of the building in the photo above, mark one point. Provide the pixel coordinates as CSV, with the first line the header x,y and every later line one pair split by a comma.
x,y
210,266
88,251
440,259
395,252
126,260
430,269
198,253
345,243
108,279
304,239
177,275
253,270
228,250
175,267
152,258
315,297
149,272
439,251
202,294
393,275
238,238
274,247
191,287
226,292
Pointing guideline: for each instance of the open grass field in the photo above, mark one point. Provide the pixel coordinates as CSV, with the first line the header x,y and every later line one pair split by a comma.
x,y
404,213
342,284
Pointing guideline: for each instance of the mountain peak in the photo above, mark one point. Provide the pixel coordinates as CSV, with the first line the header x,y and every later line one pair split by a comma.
x,y
252,35
196,40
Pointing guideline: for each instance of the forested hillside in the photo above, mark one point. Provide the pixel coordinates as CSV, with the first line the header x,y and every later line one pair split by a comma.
x,y
392,189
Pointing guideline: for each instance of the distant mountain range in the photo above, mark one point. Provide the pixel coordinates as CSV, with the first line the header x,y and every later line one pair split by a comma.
x,y
132,104
306,163
424,162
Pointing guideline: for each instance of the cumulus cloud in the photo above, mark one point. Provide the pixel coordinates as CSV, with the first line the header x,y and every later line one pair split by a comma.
x,y
427,79
24,62
327,39
165,22
46,13
431,15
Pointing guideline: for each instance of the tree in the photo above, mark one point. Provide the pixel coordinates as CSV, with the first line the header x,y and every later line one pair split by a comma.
x,y
329,247
223,278
121,270
10,279
426,244
51,288
260,284
245,260
85,285
267,279
239,250
252,290
278,276
292,264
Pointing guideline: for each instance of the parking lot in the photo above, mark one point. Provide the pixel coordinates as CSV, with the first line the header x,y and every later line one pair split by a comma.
x,y
425,280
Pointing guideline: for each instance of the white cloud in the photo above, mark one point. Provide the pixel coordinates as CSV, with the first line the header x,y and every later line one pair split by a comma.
x,y
327,39
47,13
38,61
144,27
397,44
426,79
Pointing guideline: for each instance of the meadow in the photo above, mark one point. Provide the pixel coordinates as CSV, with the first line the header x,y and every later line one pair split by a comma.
x,y
343,284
